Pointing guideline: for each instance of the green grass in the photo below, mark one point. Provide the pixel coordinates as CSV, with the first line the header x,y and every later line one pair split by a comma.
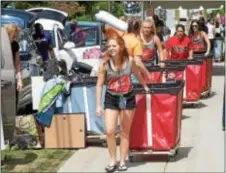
x,y
45,160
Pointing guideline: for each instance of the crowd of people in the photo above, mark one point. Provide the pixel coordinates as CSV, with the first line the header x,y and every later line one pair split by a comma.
x,y
126,54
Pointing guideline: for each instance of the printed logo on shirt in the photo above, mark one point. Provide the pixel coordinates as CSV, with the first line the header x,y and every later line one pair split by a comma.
x,y
179,49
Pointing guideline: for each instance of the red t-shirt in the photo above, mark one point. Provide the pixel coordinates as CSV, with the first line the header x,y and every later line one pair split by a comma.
x,y
179,49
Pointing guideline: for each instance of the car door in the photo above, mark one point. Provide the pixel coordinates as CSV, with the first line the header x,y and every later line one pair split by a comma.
x,y
49,13
29,67
8,95
91,53
59,50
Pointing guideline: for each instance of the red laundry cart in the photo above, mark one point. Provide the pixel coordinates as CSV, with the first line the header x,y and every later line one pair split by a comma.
x,y
207,70
156,128
192,77
162,75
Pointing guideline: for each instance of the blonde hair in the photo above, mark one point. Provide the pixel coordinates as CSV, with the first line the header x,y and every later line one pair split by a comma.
x,y
12,29
151,21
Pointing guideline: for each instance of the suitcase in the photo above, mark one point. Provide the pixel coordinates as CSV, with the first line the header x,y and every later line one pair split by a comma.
x,y
66,131
157,121
192,77
207,68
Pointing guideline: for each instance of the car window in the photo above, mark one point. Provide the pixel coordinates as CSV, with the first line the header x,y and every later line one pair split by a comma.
x,y
91,36
26,43
61,37
90,31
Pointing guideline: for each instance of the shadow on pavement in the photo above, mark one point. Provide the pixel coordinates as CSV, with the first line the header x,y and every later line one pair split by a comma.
x,y
133,164
181,154
212,94
185,117
142,159
200,105
218,70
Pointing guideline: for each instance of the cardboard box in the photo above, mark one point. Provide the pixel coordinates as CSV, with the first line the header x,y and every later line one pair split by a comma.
x,y
66,131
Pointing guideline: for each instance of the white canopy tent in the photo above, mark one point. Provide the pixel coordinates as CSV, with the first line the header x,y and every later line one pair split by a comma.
x,y
184,4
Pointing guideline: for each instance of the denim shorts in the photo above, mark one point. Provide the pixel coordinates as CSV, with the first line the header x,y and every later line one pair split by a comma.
x,y
113,101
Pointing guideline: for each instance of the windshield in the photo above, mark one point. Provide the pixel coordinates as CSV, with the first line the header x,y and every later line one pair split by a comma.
x,y
91,33
25,41
61,36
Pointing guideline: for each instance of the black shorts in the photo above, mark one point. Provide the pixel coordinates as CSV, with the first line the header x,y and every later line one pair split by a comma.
x,y
113,101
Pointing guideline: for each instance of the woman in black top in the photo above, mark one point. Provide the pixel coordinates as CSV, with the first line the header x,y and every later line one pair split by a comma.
x,y
13,32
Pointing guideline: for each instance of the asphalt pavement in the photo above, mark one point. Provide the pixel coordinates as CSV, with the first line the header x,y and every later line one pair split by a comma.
x,y
202,141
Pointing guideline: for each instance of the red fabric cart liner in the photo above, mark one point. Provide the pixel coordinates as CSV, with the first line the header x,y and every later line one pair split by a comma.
x,y
193,83
157,122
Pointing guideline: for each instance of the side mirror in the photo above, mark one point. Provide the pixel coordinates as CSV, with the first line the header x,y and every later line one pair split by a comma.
x,y
69,45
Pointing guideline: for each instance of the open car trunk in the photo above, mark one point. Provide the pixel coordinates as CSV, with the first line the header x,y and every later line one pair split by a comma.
x,y
49,13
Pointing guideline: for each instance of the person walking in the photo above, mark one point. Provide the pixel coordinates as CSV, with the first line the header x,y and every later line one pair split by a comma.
x,y
134,45
218,42
13,32
179,47
211,33
151,42
200,40
202,24
43,42
115,71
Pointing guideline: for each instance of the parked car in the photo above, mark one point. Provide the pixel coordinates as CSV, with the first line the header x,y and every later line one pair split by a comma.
x,y
21,18
28,52
93,32
30,65
54,25
8,79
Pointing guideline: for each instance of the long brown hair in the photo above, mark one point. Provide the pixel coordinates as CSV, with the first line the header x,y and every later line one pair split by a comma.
x,y
191,31
123,53
134,25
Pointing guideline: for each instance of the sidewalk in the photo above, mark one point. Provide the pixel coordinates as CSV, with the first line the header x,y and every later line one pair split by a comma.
x,y
202,145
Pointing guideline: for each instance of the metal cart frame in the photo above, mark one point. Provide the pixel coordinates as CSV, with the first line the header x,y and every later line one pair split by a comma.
x,y
171,153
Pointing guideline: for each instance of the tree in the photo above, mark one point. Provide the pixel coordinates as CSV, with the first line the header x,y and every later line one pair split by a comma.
x,y
72,8
22,5
82,10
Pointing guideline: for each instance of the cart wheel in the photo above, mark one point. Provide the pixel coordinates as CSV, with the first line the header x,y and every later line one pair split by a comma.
x,y
172,158
131,159
177,150
104,144
208,95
